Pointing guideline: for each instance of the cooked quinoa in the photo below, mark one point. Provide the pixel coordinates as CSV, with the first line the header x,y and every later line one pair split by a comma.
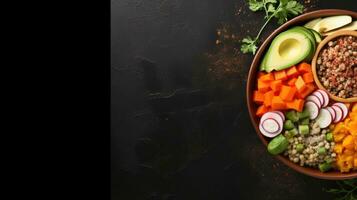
x,y
316,149
337,67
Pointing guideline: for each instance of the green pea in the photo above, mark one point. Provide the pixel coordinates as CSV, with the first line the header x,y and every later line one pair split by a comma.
x,y
321,150
329,137
299,148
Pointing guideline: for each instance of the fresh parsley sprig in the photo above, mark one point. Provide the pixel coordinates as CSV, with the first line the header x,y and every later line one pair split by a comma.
x,y
347,190
281,11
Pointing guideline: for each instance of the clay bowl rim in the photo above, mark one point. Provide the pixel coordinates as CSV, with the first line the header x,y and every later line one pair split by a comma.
x,y
333,175
314,60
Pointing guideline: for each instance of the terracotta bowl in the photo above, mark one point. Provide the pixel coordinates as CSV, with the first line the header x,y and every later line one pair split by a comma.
x,y
322,44
251,81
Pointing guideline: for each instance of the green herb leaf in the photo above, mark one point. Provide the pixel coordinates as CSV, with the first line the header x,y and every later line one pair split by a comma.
x,y
255,5
249,45
281,11
271,8
286,9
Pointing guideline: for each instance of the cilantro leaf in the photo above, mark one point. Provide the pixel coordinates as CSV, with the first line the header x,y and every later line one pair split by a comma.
x,y
249,45
256,5
281,11
286,9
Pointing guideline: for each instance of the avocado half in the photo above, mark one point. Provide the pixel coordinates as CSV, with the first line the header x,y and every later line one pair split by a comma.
x,y
289,48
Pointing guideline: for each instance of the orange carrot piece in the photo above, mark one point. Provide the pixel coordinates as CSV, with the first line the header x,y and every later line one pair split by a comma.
x,y
277,103
306,91
258,97
296,104
291,82
263,86
267,77
260,74
308,77
300,84
304,67
261,110
287,93
292,72
268,98
276,85
280,75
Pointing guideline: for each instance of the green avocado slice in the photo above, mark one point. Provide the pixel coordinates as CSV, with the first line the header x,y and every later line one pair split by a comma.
x,y
287,49
311,37
317,35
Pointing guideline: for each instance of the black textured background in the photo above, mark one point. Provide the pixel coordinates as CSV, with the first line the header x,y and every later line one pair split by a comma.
x,y
178,132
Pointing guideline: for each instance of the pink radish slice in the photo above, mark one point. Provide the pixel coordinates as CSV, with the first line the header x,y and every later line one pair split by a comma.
x,y
325,96
343,108
315,99
267,134
271,125
333,113
324,119
281,114
319,95
312,108
273,115
339,113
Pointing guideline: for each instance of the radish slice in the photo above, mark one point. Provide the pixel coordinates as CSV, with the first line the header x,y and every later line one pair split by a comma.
x,y
319,95
333,113
281,114
325,96
267,134
324,119
270,125
273,115
339,113
312,108
314,99
343,108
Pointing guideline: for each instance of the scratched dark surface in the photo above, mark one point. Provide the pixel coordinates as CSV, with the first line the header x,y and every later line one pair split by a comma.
x,y
179,125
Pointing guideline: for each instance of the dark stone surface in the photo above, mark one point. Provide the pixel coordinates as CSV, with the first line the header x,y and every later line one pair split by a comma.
x,y
179,132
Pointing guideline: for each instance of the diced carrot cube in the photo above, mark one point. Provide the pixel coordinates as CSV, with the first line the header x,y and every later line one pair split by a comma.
x,y
304,67
267,77
309,88
276,85
308,77
296,104
291,82
300,84
268,98
261,110
258,97
263,86
280,75
287,93
292,72
277,103
260,74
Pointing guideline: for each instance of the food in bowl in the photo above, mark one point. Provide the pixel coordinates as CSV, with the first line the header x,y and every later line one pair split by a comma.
x,y
300,120
337,66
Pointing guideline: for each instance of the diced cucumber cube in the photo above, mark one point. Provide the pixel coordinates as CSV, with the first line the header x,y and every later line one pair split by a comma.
x,y
294,131
324,167
304,129
288,125
304,114
291,115
305,121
